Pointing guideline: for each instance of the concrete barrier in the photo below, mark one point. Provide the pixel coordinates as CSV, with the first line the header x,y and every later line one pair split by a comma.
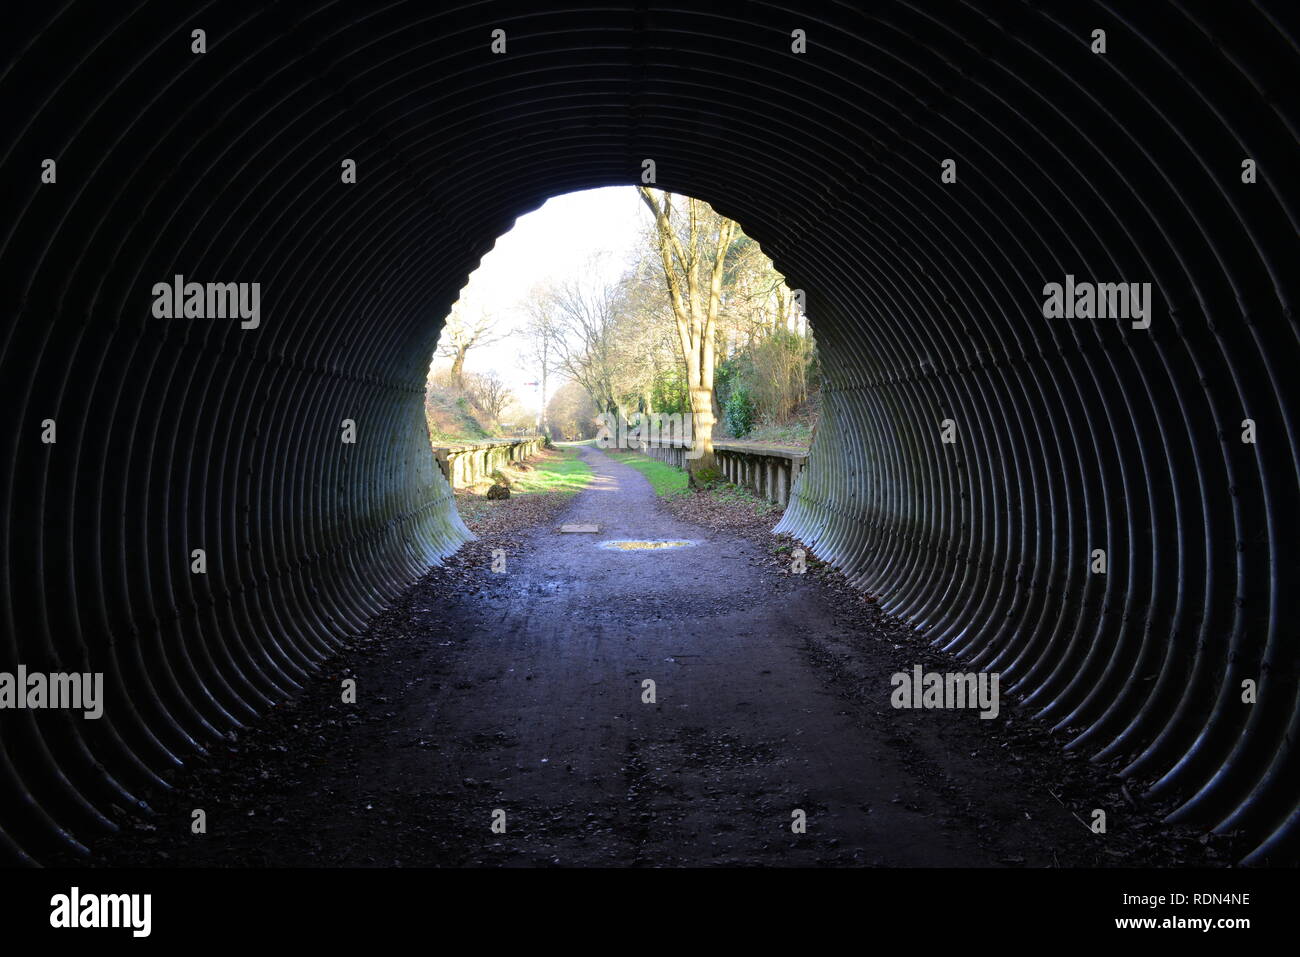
x,y
467,464
767,471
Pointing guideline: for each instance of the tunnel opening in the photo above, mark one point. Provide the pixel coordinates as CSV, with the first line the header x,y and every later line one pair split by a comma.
x,y
974,454
600,316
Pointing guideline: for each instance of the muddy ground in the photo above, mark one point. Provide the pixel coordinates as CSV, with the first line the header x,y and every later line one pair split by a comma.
x,y
522,692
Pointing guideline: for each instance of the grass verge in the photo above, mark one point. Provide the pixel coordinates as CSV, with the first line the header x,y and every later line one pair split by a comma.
x,y
561,470
722,507
668,480
537,493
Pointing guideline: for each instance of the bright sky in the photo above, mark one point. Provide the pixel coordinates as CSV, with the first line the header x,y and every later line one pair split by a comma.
x,y
553,242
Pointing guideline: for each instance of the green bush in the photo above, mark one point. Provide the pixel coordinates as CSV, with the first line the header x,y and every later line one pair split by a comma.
x,y
725,377
739,411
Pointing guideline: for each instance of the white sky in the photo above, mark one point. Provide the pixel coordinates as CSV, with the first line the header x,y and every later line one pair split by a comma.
x,y
553,242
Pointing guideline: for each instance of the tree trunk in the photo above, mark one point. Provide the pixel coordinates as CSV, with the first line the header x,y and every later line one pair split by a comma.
x,y
695,313
701,433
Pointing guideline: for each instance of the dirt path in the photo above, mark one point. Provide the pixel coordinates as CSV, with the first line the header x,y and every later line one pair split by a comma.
x,y
523,692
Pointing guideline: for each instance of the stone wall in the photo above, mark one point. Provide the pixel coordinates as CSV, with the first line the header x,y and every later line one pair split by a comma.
x,y
769,472
464,465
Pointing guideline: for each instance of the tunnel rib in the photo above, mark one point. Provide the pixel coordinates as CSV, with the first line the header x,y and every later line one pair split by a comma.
x,y
926,299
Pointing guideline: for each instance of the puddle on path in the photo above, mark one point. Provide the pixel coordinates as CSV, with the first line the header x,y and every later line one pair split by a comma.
x,y
644,546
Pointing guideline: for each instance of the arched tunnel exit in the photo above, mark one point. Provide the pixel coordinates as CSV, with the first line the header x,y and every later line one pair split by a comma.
x,y
1050,251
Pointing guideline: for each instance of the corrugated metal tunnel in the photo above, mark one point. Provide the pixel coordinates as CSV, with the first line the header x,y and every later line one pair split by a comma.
x,y
1069,435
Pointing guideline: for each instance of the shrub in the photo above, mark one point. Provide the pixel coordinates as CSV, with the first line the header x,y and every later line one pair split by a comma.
x,y
705,478
739,411
781,365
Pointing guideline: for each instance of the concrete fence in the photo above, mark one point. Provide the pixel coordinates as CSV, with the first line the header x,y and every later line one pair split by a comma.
x,y
468,464
767,471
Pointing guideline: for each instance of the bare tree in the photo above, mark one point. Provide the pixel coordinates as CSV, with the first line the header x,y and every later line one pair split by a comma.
x,y
693,255
578,320
647,347
756,301
463,332
488,392
540,331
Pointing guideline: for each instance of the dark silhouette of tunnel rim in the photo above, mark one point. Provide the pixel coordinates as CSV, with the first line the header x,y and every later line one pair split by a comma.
x,y
225,166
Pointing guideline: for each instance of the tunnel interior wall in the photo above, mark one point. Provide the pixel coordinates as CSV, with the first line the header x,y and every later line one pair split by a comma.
x,y
1070,435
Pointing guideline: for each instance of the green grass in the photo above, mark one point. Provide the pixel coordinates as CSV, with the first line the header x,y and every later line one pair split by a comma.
x,y
666,479
669,481
568,475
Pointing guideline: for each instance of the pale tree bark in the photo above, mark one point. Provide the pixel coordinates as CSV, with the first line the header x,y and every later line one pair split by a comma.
x,y
694,275
458,364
